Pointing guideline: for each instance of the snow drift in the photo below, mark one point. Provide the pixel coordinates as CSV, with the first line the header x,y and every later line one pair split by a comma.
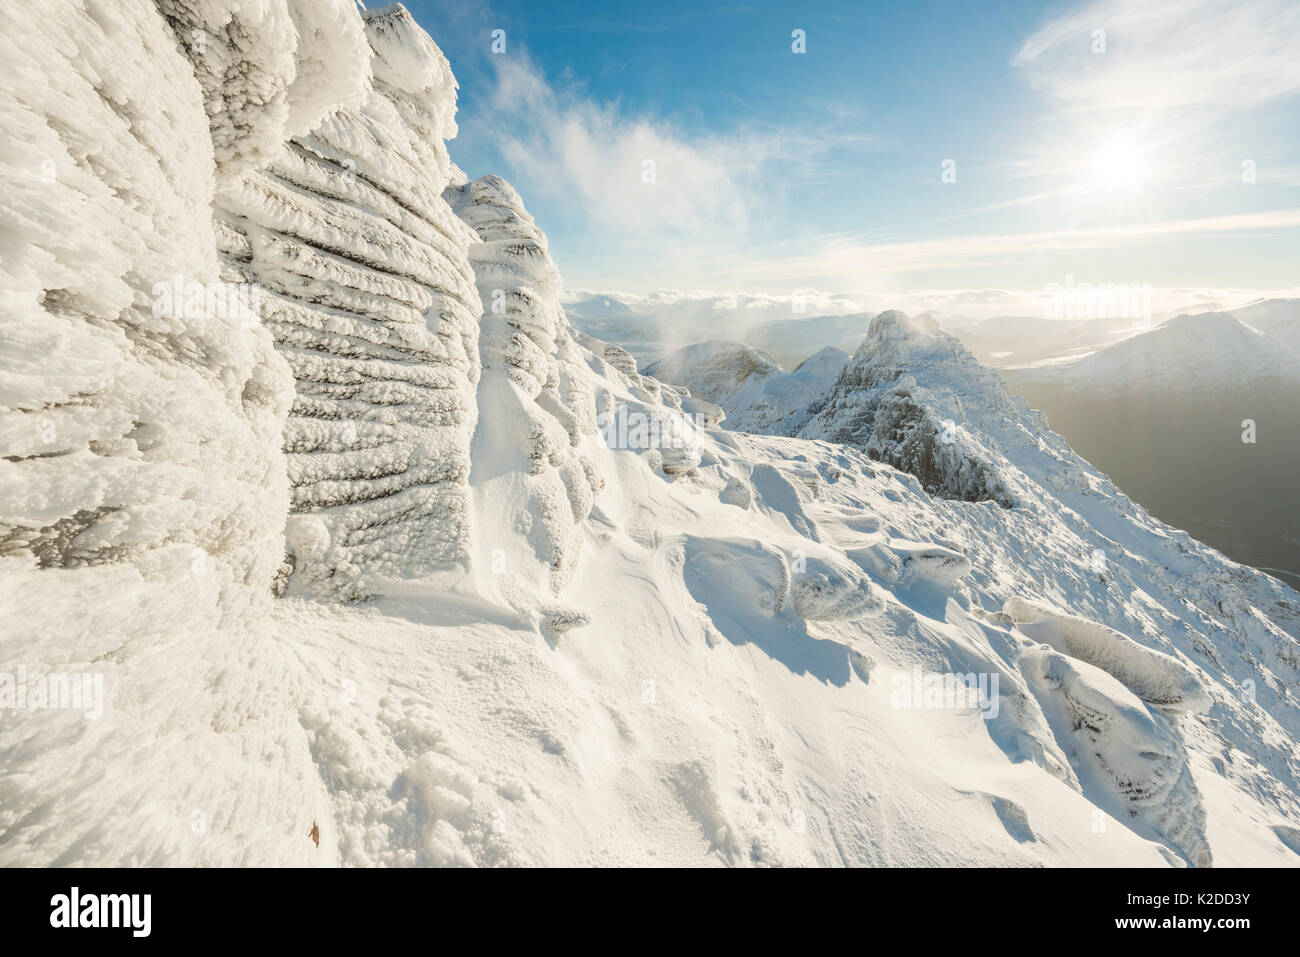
x,y
537,608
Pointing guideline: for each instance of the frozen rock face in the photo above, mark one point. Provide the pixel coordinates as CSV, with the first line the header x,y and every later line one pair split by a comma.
x,y
268,69
542,408
877,406
141,408
368,292
143,490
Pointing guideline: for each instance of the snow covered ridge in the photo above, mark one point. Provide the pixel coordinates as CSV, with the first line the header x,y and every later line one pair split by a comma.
x,y
759,396
871,401
1205,351
572,650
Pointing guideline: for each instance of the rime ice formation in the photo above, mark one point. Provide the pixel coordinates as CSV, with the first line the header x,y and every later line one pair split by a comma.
x,y
596,628
369,295
530,451
142,434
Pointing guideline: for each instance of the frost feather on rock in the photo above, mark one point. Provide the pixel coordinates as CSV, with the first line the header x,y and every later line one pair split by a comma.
x,y
139,430
370,297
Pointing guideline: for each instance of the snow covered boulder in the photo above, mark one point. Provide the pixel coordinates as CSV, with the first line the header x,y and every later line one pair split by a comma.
x,y
741,583
1128,760
831,588
934,563
1153,676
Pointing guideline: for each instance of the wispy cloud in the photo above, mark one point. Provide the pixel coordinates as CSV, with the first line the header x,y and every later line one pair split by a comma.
x,y
644,183
627,175
1167,53
847,259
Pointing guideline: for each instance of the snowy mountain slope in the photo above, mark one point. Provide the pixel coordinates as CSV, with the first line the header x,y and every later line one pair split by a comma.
x,y
1082,520
1205,351
1197,420
716,369
762,397
1020,340
665,643
700,717
1277,318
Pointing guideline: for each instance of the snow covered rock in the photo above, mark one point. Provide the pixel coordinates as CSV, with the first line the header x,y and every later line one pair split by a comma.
x,y
1153,676
141,406
876,405
368,291
831,588
268,69
532,457
1125,756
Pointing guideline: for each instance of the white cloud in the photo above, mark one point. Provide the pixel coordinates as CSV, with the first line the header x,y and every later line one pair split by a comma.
x,y
841,259
601,160
1168,53
707,189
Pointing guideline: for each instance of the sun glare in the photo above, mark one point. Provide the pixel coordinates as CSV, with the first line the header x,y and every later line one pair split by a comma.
x,y
1118,164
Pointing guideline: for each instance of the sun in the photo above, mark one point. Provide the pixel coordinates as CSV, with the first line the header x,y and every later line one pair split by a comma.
x,y
1119,164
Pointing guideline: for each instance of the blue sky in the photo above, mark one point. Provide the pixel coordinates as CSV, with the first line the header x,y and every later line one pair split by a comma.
x,y
1111,157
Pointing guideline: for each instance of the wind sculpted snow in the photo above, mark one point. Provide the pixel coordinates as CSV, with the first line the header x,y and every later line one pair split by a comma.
x,y
538,607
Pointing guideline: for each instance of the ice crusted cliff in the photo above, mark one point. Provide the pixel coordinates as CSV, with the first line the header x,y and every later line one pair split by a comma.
x,y
536,608
142,429
369,294
876,404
